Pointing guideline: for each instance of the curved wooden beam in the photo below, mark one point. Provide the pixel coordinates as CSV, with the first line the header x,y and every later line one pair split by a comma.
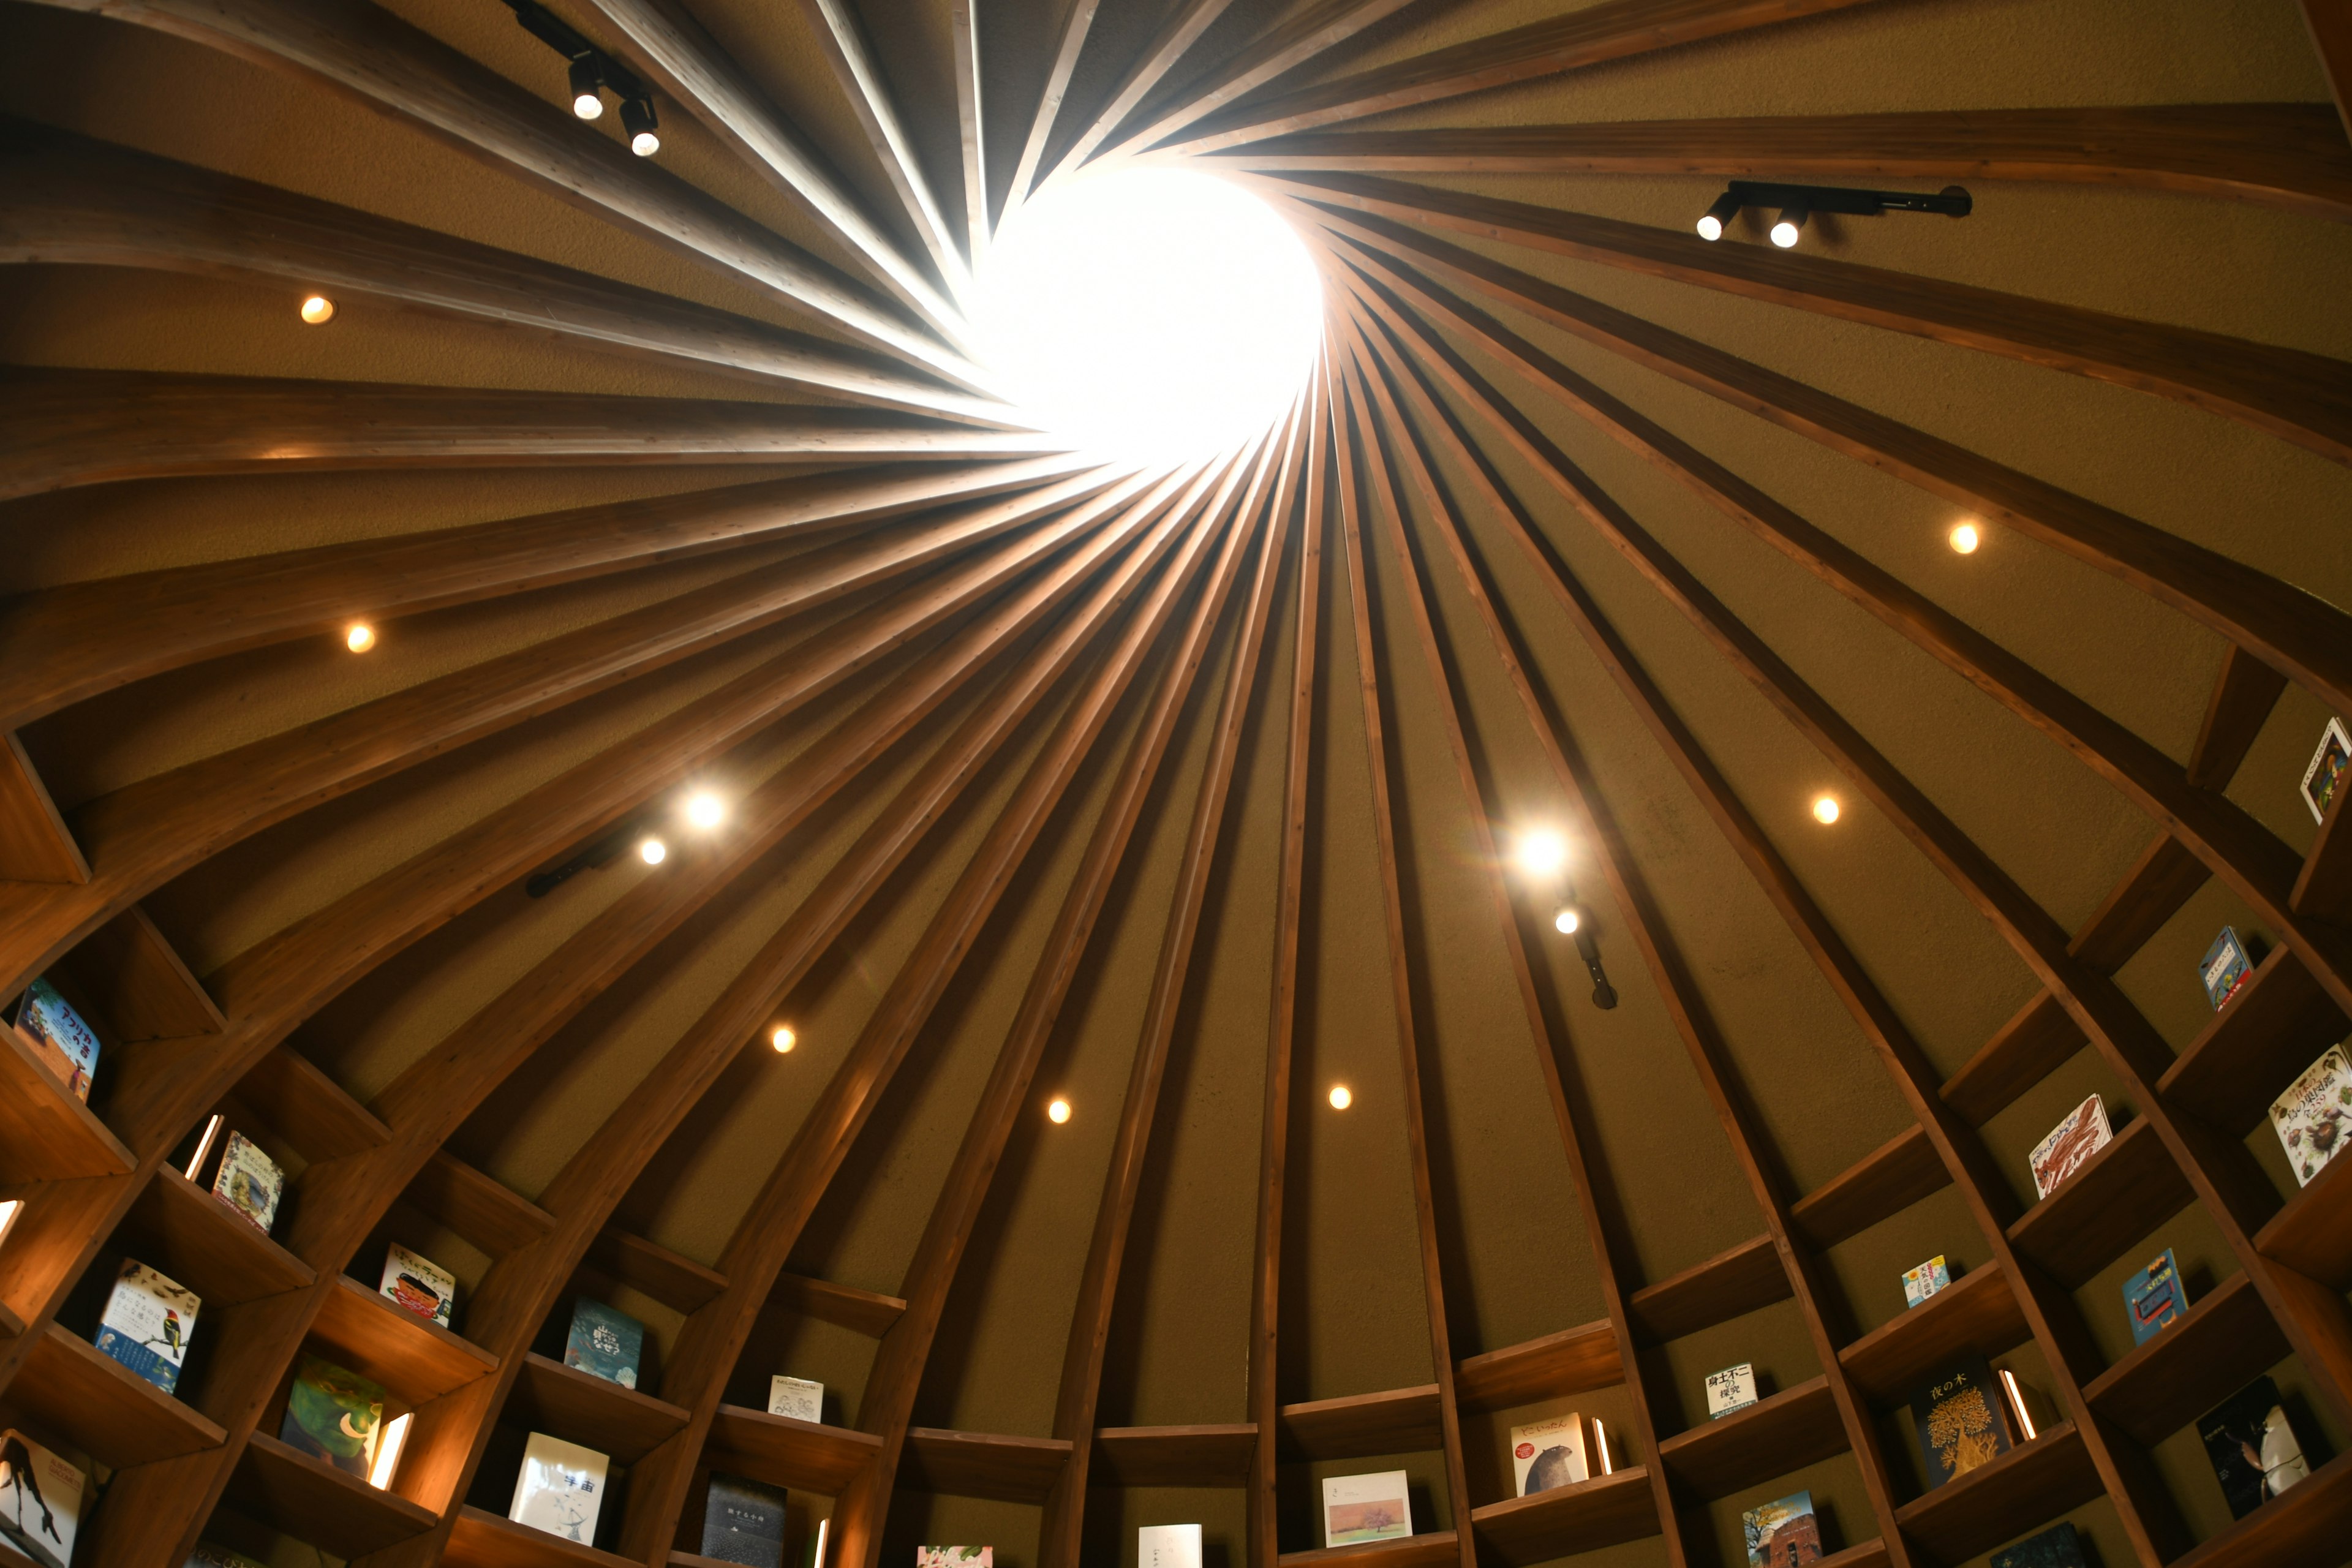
x,y
1077,19
2288,156
1178,33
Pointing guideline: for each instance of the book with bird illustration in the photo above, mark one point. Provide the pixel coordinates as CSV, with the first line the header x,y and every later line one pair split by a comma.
x,y
40,1500
147,1323
335,1415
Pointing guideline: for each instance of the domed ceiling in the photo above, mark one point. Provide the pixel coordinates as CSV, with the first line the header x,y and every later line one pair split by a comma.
x,y
1184,796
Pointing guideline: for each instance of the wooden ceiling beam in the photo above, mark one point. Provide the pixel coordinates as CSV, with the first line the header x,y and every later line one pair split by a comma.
x,y
2304,398
2292,156
1180,32
1075,20
66,199
971,126
62,428
1611,30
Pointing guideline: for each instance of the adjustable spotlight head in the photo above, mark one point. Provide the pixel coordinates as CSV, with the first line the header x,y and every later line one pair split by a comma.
x,y
637,121
587,99
1791,224
1726,207
1604,996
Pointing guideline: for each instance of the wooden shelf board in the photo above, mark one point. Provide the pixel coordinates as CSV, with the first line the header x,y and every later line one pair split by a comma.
x,y
2323,890
137,984
784,1452
196,1240
2306,1523
1213,1456
1395,1421
2276,1026
97,1403
1880,1185
1725,1287
477,1206
2031,1045
669,1277
2313,1234
307,1109
1569,1361
1771,1437
2113,1199
982,1464
311,1501
859,1312
2018,1493
479,1539
2218,1346
36,846
581,1408
358,1328
1600,1513
2168,873
11,1558
1978,1312
1871,1554
46,1134
1431,1550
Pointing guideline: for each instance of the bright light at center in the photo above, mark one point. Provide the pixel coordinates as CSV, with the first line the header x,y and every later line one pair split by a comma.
x,y
1150,314
1541,853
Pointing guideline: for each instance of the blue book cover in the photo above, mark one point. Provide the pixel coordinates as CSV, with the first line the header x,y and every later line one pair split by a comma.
x,y
2056,1547
2154,1299
68,1046
2225,967
147,1324
604,1342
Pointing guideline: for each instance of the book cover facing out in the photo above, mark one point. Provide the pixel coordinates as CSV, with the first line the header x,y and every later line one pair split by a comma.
x,y
796,1398
1365,1508
2225,967
1782,1533
418,1285
212,1554
1923,1281
147,1323
743,1522
603,1342
249,1182
335,1415
2056,1547
40,1500
955,1557
66,1044
560,1488
2311,1117
2153,1298
1733,1388
2254,1453
1961,1421
2083,1135
1547,1453
1167,1546
2328,765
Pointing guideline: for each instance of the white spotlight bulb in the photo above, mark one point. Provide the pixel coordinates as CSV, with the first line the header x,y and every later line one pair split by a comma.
x,y
645,144
705,810
1541,854
1710,227
1565,922
1791,224
587,106
653,852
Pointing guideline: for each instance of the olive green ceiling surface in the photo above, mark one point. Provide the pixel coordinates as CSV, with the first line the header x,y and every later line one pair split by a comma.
x,y
1179,796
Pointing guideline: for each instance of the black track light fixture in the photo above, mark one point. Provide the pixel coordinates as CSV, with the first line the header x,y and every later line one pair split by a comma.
x,y
587,88
593,74
1798,203
1604,996
637,124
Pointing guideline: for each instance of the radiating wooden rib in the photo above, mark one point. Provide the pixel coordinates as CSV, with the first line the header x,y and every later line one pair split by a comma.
x,y
971,126
1074,20
676,1282
2164,877
1878,1186
1569,1361
397,68
1735,1281
860,1312
2222,1343
1288,44
484,1211
2289,155
60,428
66,199
983,1464
2243,695
1183,28
1611,30
2304,398
36,845
1208,1456
63,646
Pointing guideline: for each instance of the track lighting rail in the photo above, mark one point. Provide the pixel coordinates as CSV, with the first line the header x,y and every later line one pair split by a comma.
x,y
593,73
1798,203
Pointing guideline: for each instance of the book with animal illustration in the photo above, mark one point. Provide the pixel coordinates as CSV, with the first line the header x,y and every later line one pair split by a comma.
x,y
561,1488
2312,1117
1365,1508
147,1322
212,1554
418,1285
40,1499
1962,1421
797,1397
63,1041
1547,1453
335,1415
2153,1298
249,1182
2251,1447
603,1342
2073,1141
1783,1534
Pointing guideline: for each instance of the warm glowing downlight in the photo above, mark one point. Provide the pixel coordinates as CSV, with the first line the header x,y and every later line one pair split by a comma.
x,y
1058,1111
1340,1097
783,1039
705,810
1566,921
360,637
318,310
1540,854
1825,809
1965,538
653,852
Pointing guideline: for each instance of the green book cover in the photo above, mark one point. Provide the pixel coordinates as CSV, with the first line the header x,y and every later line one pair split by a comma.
x,y
334,1415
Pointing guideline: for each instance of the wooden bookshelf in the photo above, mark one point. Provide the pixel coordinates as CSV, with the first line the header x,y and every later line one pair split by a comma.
x,y
784,1452
1771,1437
311,1501
1591,1514
477,1206
136,984
36,846
192,1237
2275,1027
98,1404
1396,1421
581,1408
1211,1456
2322,889
2304,1524
310,1111
2022,1489
859,1312
675,1281
1871,1554
1569,1361
2217,1347
2033,1044
358,1328
480,1538
1731,1284
1976,1313
982,1464
11,1558
2313,1234
1880,1185
2113,1199
1431,1551
46,1134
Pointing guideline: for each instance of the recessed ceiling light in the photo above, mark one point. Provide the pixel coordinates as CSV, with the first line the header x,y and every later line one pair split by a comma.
x,y
653,852
1567,920
1825,809
1058,1111
361,638
1340,1097
1541,853
1966,537
318,310
783,1039
705,810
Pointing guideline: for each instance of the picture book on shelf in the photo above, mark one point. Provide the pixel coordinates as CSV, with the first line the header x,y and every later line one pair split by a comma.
x,y
603,1342
1733,1388
955,1557
2153,1298
333,1414
65,1044
40,1499
743,1522
2225,967
1365,1508
560,1488
1961,1420
1923,1281
2328,765
147,1322
2311,1117
2083,1135
1783,1534
1547,1453
2056,1547
249,1182
212,1554
418,1285
796,1398
1167,1546
2251,1447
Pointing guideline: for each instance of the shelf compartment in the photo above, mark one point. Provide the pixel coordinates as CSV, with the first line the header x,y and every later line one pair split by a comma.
x,y
1771,1437
2114,1198
581,1408
1569,1361
1871,1554
982,1464
1395,1421
1603,1511
784,1452
477,1206
1431,1551
2275,1027
844,1305
358,1328
311,1501
192,1237
307,1109
2024,1487
46,1134
94,1402
1977,1313
36,845
480,1538
2313,1234
2217,1347
674,1280
2031,1045
1880,1185
2306,1523
137,984
2323,890
1210,1456
1729,1285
